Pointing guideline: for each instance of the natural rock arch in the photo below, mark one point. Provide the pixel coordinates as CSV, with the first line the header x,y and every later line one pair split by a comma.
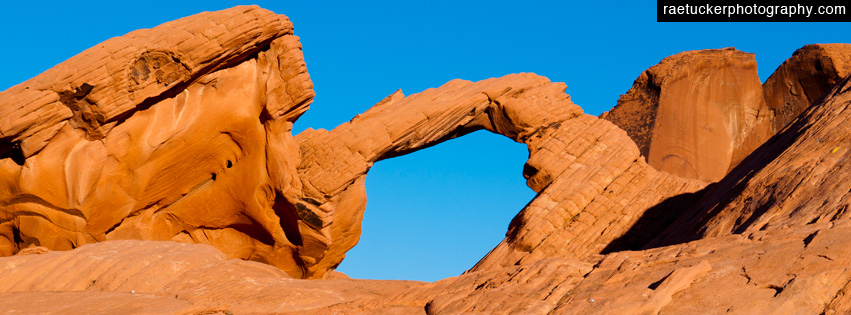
x,y
434,213
90,153
524,107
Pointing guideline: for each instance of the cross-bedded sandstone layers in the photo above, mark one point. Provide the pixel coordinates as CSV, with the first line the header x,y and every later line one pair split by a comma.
x,y
804,78
180,132
593,187
793,263
777,272
335,162
204,154
696,114
771,237
803,271
591,182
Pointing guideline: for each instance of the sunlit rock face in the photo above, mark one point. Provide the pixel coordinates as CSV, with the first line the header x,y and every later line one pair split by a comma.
x,y
696,114
120,167
805,78
572,158
180,132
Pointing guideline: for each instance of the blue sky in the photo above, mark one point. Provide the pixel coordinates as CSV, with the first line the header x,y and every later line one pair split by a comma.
x,y
434,213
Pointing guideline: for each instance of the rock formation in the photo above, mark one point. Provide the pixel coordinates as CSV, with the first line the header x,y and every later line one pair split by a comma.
x,y
298,208
179,132
696,114
796,179
587,172
769,238
120,167
803,79
129,276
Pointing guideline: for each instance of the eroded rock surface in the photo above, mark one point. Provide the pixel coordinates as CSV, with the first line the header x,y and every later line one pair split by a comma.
x,y
696,114
335,162
798,178
798,272
769,238
591,182
128,153
165,278
804,78
179,132
215,139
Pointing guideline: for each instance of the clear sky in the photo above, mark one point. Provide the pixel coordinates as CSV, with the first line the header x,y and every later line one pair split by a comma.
x,y
434,213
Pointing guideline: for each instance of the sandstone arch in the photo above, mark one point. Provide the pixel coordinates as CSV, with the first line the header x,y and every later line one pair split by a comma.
x,y
772,236
524,107
194,145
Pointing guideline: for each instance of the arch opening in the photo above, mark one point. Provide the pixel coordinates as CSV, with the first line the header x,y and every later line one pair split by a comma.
x,y
434,213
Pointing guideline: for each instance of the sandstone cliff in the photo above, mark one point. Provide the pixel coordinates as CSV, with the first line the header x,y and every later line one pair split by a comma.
x,y
796,179
696,114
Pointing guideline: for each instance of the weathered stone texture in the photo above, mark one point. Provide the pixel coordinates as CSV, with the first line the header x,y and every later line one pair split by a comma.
x,y
113,163
161,134
804,78
696,114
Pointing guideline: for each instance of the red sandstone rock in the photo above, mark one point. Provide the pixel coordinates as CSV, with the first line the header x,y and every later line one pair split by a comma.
x,y
798,178
804,78
166,278
182,132
800,272
592,185
179,132
696,114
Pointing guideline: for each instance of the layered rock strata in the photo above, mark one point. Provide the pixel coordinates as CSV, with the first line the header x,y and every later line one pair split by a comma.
x,y
128,276
182,133
802,271
179,132
591,184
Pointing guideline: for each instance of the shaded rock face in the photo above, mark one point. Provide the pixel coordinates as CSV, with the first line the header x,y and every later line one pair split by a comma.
x,y
696,114
181,134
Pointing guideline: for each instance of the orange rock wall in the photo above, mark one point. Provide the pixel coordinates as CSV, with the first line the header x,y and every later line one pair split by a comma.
x,y
696,114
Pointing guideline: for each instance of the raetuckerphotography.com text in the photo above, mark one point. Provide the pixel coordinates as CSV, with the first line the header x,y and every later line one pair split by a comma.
x,y
677,11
